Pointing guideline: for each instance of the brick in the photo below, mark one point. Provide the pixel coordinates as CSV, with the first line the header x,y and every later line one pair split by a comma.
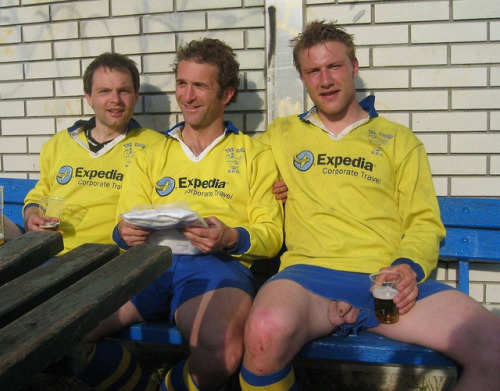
x,y
27,89
158,122
159,103
476,291
35,143
191,5
450,121
495,31
448,32
485,272
344,14
9,3
80,10
411,12
457,165
254,3
158,43
485,53
69,87
476,9
178,21
11,109
234,38
248,101
11,72
54,107
251,59
110,27
495,165
25,52
475,143
410,56
441,186
28,126
81,48
154,63
50,32
379,34
12,144
236,18
475,99
255,80
52,69
495,120
449,77
475,186
381,78
26,2
256,39
434,143
400,118
134,7
62,123
412,100
157,83
11,34
24,15
21,163
495,76
255,122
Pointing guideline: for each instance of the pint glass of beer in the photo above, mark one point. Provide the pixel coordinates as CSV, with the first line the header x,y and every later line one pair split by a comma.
x,y
384,290
51,208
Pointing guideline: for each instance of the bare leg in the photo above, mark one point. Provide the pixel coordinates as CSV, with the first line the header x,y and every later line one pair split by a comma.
x,y
458,326
213,323
126,315
284,317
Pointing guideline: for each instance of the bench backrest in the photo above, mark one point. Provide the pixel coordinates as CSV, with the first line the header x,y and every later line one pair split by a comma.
x,y
15,191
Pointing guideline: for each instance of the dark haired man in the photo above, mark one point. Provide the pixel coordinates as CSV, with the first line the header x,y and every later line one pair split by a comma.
x,y
226,177
87,163
360,200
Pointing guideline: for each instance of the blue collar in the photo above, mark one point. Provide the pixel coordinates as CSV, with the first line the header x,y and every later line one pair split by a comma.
x,y
90,124
367,104
229,127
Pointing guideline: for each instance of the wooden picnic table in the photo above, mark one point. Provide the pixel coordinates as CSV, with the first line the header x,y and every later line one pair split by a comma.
x,y
46,308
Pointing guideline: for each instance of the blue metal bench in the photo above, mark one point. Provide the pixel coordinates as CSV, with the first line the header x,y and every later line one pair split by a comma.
x,y
473,235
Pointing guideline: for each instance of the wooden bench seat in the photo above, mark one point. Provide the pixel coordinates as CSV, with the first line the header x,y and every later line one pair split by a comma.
x,y
52,307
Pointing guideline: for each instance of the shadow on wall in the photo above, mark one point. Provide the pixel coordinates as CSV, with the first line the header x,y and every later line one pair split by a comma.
x,y
154,109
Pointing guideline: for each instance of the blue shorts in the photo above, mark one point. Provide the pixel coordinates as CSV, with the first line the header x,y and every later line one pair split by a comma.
x,y
188,277
353,288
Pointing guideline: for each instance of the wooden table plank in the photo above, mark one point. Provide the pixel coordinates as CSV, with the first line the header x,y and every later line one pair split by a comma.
x,y
27,252
39,285
46,333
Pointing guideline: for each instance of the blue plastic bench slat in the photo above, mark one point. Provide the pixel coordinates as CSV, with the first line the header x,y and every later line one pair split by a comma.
x,y
470,212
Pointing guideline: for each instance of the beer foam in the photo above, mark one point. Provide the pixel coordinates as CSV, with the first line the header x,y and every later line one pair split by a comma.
x,y
385,293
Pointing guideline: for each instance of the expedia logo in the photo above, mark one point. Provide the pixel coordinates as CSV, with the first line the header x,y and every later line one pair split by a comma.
x,y
336,161
91,174
196,183
64,175
303,160
165,186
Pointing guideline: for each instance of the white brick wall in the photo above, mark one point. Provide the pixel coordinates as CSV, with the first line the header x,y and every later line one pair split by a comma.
x,y
433,65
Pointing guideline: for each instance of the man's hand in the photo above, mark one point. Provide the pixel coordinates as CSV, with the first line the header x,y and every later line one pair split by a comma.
x,y
218,236
407,288
32,219
132,234
280,191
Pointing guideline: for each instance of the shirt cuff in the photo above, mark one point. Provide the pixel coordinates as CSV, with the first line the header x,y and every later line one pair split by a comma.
x,y
415,267
118,240
243,243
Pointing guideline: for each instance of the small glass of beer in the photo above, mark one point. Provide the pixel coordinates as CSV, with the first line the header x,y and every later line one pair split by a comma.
x,y
383,289
51,209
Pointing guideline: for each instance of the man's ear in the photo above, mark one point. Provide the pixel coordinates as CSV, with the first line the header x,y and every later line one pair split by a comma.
x,y
227,95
